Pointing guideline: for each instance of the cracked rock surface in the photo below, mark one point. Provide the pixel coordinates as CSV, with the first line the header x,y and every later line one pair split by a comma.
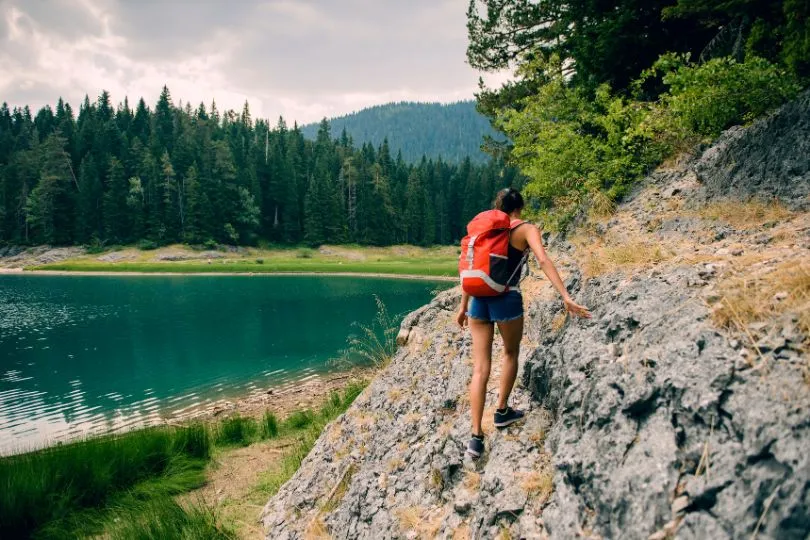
x,y
652,420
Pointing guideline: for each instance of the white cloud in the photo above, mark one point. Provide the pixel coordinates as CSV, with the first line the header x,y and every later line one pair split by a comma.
x,y
297,58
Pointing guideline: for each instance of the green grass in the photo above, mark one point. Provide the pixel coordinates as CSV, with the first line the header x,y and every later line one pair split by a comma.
x,y
417,267
164,518
122,486
269,425
236,431
50,485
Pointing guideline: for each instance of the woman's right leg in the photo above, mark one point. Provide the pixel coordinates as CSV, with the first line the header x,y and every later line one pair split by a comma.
x,y
482,333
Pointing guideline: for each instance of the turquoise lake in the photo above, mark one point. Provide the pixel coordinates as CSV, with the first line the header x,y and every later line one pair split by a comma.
x,y
81,355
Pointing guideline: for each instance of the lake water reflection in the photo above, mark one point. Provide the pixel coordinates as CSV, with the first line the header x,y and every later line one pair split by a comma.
x,y
90,354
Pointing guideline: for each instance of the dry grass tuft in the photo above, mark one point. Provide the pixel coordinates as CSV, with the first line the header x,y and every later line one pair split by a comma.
x,y
394,395
601,206
462,532
620,253
436,479
504,532
539,483
745,215
395,464
410,518
750,298
412,418
316,529
364,421
424,522
336,496
538,437
558,321
471,480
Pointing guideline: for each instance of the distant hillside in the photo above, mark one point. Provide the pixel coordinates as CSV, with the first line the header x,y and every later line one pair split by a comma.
x,y
453,131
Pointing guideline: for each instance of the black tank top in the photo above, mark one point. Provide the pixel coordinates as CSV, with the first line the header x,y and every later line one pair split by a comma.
x,y
514,261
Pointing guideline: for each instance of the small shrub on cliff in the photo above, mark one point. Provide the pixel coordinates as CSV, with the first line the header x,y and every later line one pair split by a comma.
x,y
376,343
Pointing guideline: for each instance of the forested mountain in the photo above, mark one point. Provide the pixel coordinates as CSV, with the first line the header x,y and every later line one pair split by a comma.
x,y
454,131
163,175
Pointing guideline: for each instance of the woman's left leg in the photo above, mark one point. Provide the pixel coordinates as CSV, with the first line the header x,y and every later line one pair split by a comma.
x,y
512,333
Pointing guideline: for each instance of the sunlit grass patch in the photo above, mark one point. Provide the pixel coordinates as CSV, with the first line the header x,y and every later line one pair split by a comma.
x,y
471,480
620,253
538,483
745,215
747,297
423,522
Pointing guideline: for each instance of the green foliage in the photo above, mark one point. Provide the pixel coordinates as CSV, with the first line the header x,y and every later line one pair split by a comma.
x,y
269,425
572,146
298,420
123,486
707,98
304,253
236,430
414,266
147,245
50,485
165,518
308,433
580,149
96,246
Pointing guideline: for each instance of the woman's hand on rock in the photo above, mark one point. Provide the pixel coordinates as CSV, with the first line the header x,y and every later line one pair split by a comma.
x,y
575,309
461,318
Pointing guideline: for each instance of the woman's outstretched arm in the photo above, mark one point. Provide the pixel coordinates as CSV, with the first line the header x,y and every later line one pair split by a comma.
x,y
536,244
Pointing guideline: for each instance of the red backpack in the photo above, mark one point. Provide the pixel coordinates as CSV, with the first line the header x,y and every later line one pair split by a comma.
x,y
484,263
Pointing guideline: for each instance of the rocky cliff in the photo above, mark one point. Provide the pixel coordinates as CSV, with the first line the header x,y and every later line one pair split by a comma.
x,y
681,410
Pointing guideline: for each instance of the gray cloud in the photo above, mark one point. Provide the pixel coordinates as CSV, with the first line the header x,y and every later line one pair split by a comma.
x,y
300,58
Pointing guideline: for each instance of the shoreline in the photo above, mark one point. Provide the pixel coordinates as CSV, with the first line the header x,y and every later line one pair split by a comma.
x,y
281,400
22,271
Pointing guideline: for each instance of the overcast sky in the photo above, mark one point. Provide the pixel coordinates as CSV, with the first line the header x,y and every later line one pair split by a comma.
x,y
303,59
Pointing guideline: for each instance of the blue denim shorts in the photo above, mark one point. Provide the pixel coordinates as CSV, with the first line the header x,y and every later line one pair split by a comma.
x,y
505,307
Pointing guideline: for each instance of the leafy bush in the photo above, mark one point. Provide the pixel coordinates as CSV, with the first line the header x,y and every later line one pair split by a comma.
x,y
707,98
572,146
210,244
585,151
304,253
96,245
146,245
259,261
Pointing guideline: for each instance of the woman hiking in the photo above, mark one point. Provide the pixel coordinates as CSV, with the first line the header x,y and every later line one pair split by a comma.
x,y
505,310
